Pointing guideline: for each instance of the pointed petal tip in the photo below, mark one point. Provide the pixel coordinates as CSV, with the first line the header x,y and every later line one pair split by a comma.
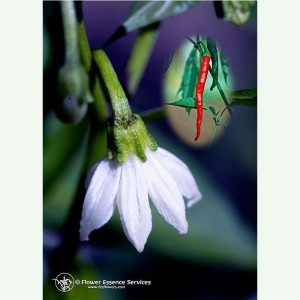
x,y
183,231
83,235
194,200
83,239
183,228
139,248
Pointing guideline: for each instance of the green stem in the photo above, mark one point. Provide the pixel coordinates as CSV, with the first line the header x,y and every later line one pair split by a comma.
x,y
86,56
120,105
213,134
223,95
84,46
70,32
83,40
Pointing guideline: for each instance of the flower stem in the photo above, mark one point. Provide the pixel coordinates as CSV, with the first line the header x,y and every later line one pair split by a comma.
x,y
84,46
120,105
87,60
70,32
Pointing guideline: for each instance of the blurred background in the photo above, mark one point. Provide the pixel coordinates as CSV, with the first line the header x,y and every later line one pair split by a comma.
x,y
217,258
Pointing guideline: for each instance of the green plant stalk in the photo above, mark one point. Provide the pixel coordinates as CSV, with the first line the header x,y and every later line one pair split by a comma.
x,y
84,46
223,95
70,32
140,56
86,55
120,105
218,84
213,134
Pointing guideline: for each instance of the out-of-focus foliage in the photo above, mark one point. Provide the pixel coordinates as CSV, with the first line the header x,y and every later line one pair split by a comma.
x,y
79,291
244,97
237,12
140,56
64,157
145,13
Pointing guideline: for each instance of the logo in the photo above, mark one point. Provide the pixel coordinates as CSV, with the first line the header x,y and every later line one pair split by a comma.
x,y
64,282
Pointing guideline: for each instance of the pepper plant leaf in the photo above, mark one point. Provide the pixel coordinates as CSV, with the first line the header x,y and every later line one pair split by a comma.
x,y
212,48
189,78
225,65
145,13
213,110
189,102
244,97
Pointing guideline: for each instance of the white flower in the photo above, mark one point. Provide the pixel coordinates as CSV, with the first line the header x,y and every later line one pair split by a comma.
x,y
163,177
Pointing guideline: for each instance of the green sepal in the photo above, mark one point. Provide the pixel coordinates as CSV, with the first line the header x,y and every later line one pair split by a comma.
x,y
127,136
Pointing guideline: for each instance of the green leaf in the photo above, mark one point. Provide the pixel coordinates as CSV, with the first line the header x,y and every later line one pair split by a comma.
x,y
60,141
213,134
212,48
60,189
244,97
189,77
145,13
140,55
237,12
213,110
224,65
189,102
168,63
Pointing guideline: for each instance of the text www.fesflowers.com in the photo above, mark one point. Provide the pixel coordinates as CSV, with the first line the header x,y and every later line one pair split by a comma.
x,y
112,284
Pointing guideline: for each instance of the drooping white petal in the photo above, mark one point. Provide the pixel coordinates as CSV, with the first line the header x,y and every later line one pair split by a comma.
x,y
133,203
99,201
164,193
181,174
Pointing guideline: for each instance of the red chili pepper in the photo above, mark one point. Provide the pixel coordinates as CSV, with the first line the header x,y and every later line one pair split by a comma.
x,y
199,91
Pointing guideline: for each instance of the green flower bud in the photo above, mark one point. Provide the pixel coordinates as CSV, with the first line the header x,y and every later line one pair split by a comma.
x,y
74,93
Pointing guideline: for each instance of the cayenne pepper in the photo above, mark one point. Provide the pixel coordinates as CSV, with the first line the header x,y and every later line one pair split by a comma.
x,y
199,91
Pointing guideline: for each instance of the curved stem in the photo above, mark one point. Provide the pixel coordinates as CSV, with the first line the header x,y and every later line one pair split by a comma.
x,y
120,105
86,57
70,32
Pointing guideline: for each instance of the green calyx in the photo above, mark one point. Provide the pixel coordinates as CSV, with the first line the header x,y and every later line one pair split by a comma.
x,y
127,136
126,132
